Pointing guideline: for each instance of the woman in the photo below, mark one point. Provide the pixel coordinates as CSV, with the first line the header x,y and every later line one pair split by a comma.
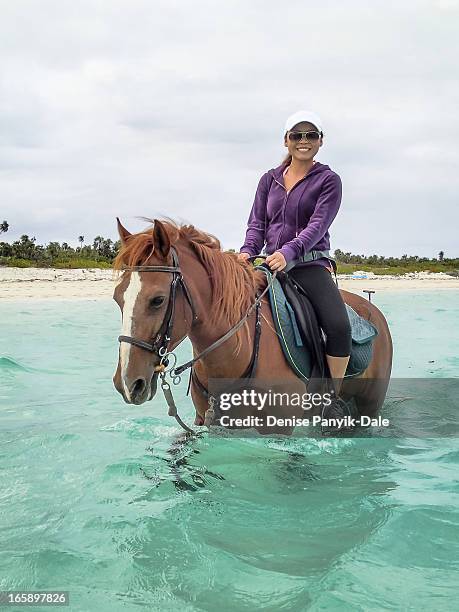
x,y
294,207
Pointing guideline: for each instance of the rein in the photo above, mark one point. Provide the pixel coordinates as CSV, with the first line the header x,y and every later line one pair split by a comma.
x,y
161,341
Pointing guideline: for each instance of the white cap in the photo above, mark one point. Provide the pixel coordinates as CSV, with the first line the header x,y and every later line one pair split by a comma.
x,y
303,115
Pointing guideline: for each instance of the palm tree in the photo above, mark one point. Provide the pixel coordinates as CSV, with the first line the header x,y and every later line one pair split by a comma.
x,y
4,226
441,255
81,240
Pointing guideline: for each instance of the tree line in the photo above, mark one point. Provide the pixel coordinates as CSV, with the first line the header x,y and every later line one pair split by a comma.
x,y
102,251
374,260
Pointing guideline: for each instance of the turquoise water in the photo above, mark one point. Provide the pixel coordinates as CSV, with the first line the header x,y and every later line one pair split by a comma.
x,y
107,501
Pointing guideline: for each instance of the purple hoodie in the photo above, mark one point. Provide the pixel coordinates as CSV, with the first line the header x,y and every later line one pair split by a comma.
x,y
297,222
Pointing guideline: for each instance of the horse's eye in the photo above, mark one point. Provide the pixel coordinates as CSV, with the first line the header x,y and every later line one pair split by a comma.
x,y
157,301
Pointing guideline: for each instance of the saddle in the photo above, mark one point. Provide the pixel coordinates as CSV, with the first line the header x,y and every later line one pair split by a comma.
x,y
302,339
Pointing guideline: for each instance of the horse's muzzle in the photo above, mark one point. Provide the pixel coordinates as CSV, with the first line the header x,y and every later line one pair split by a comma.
x,y
139,391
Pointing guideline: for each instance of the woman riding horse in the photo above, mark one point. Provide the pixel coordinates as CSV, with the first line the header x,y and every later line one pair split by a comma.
x,y
294,206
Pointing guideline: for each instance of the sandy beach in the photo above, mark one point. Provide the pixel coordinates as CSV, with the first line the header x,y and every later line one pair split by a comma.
x,y
50,283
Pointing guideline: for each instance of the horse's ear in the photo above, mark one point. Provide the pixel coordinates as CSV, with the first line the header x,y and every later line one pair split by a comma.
x,y
122,231
161,239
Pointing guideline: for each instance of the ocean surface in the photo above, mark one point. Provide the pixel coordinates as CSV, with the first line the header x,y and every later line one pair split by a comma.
x,y
111,503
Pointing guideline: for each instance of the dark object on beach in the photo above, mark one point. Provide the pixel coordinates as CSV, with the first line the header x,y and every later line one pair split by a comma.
x,y
369,291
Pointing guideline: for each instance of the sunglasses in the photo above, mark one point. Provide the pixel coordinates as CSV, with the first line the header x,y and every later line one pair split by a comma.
x,y
309,136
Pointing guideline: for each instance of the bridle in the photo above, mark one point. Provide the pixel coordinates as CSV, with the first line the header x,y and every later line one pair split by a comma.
x,y
159,346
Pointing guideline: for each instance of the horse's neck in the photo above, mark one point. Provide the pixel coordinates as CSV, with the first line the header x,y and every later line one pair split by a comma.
x,y
222,361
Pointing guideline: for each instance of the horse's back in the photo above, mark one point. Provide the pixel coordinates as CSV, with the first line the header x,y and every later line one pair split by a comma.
x,y
377,374
365,309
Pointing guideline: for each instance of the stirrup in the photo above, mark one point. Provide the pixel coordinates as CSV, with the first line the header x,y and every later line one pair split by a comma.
x,y
327,431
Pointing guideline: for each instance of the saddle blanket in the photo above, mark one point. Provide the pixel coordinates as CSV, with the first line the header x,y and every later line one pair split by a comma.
x,y
297,353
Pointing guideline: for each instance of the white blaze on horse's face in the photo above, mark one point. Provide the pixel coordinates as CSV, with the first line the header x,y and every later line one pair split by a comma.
x,y
131,296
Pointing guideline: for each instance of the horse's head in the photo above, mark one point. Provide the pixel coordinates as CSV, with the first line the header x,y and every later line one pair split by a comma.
x,y
153,309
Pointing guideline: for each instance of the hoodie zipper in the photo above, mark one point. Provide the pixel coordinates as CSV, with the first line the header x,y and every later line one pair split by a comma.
x,y
285,206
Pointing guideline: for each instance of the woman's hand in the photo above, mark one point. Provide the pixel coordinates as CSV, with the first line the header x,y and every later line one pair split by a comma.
x,y
276,261
242,256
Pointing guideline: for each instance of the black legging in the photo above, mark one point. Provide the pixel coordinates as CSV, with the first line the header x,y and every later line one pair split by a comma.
x,y
329,306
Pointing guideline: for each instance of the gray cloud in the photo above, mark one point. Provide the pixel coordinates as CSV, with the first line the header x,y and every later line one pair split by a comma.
x,y
176,108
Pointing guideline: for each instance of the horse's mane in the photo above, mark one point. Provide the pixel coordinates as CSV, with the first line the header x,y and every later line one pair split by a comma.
x,y
233,283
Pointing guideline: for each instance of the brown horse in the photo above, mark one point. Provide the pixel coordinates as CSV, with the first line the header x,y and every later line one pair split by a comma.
x,y
216,293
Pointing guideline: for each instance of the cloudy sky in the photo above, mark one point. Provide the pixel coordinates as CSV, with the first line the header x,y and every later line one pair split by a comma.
x,y
176,107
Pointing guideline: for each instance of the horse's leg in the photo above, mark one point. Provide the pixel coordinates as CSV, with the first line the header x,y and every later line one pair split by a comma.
x,y
368,394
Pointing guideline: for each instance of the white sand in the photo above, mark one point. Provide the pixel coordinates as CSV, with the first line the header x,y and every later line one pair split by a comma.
x,y
51,283
414,281
41,283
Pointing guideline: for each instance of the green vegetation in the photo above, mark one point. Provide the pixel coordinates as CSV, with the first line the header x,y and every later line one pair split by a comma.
x,y
378,264
25,253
